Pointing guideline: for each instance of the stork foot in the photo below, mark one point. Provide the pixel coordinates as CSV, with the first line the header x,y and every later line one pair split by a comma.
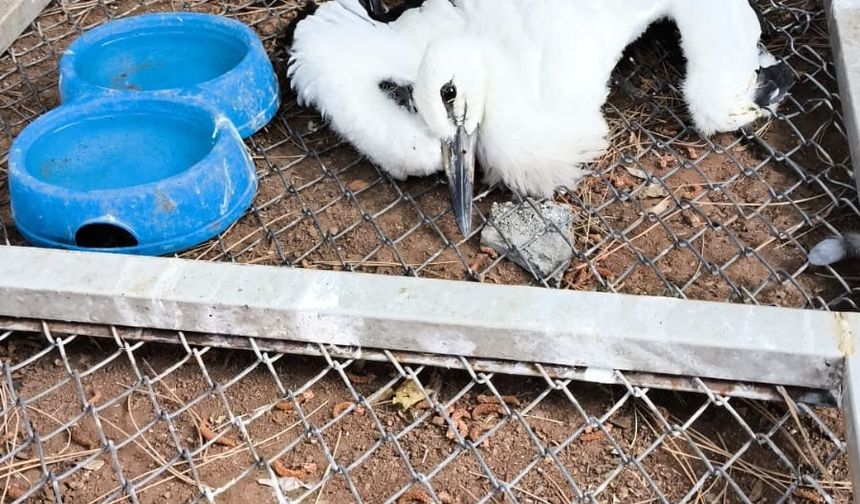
x,y
714,110
772,85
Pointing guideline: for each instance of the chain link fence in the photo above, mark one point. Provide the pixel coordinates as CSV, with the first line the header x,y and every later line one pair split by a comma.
x,y
667,212
112,419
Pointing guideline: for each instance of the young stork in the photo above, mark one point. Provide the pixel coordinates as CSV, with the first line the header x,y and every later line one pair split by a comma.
x,y
359,72
517,84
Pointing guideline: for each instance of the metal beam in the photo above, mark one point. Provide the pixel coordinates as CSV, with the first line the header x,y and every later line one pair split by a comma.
x,y
758,392
851,416
15,16
595,330
844,23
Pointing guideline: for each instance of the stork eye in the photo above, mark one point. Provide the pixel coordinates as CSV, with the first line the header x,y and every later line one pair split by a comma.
x,y
448,92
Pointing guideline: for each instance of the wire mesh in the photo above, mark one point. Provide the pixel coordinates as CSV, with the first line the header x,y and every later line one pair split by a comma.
x,y
110,419
667,212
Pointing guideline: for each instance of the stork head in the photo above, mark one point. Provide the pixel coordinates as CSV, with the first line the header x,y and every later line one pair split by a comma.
x,y
450,94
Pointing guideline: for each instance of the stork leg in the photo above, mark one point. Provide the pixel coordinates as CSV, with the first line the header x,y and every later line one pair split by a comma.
x,y
730,80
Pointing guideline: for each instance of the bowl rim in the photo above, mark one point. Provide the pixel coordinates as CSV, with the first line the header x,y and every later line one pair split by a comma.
x,y
223,133
167,246
157,20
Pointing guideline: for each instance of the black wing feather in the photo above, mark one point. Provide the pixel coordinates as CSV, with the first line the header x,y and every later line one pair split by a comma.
x,y
401,94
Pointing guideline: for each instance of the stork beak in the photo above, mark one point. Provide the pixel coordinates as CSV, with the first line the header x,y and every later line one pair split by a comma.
x,y
458,157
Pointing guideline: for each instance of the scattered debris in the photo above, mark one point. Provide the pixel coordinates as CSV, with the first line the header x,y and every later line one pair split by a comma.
x,y
651,191
476,431
624,422
357,185
808,495
446,498
487,405
340,407
287,484
408,395
13,492
210,435
302,472
621,181
660,207
425,404
457,414
487,409
285,472
360,379
666,161
475,263
93,465
757,491
636,172
592,434
80,438
95,398
439,419
415,495
578,278
272,26
604,272
457,417
539,235
287,405
489,251
510,400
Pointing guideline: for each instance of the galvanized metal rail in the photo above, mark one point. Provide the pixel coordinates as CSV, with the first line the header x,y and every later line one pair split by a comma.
x,y
592,332
803,348
844,17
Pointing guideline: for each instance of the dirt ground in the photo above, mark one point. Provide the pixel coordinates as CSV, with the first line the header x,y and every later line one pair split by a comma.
x,y
730,218
732,222
375,445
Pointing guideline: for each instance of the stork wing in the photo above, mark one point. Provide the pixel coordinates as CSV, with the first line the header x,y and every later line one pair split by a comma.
x,y
358,73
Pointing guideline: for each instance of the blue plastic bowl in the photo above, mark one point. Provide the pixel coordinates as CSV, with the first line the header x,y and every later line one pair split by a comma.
x,y
136,175
211,58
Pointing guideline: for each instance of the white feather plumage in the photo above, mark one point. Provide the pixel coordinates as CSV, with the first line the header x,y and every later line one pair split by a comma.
x,y
532,77
337,60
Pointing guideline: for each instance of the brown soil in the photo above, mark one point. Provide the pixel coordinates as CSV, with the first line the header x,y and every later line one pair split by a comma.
x,y
364,444
735,223
736,229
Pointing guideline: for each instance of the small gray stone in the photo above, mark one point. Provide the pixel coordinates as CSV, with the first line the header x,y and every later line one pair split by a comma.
x,y
540,238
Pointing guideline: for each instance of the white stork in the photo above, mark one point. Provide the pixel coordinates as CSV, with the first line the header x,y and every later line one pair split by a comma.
x,y
519,84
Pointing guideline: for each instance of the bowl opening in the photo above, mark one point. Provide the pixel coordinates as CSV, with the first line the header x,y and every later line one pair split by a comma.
x,y
122,149
158,59
104,235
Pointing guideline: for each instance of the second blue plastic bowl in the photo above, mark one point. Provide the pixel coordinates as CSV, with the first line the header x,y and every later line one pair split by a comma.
x,y
211,58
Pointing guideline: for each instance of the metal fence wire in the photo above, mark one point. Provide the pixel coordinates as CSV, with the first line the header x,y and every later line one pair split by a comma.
x,y
110,419
667,212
